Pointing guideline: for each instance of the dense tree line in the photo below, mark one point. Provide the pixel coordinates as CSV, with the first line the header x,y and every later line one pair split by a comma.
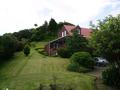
x,y
47,31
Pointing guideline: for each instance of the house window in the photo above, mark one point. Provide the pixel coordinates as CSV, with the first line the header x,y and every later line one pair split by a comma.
x,y
78,31
62,34
65,33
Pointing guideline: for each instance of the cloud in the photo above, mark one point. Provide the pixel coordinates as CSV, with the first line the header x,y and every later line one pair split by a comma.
x,y
45,12
20,14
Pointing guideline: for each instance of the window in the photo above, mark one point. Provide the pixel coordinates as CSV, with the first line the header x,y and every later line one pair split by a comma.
x,y
62,34
78,31
65,33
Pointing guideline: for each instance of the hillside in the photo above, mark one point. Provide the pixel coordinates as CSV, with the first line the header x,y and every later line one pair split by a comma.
x,y
27,73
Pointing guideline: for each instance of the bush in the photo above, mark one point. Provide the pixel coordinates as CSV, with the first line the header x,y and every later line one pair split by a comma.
x,y
73,67
26,50
111,76
64,53
83,59
8,45
76,68
20,46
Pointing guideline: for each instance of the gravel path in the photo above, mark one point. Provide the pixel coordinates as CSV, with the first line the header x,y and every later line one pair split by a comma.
x,y
98,82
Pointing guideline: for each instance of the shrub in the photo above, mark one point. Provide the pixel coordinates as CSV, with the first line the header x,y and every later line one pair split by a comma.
x,y
77,68
111,76
26,50
64,53
20,46
73,67
83,59
8,45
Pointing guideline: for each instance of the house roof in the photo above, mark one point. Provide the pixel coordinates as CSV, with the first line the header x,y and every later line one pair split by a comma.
x,y
86,32
69,27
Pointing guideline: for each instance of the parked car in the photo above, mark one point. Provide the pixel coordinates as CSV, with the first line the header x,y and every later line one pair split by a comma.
x,y
100,61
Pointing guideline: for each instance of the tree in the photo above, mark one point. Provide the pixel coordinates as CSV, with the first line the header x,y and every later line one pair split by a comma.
x,y
64,52
52,27
106,39
44,28
8,45
26,50
37,36
40,32
76,42
35,25
60,24
26,33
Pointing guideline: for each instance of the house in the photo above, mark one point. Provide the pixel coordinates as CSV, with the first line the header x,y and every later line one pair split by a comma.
x,y
66,31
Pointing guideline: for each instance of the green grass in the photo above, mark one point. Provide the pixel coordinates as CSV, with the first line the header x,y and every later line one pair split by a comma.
x,y
26,73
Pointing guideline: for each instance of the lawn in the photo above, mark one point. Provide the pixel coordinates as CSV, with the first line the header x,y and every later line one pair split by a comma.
x,y
27,73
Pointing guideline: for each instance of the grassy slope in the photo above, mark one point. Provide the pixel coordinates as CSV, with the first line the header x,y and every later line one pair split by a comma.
x,y
26,73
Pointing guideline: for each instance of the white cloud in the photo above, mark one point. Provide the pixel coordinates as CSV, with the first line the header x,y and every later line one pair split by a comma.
x,y
20,14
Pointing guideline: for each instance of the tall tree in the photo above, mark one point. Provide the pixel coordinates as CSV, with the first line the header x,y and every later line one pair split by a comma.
x,y
52,27
44,28
40,33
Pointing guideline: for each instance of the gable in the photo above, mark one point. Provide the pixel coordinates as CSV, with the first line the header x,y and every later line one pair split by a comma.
x,y
85,32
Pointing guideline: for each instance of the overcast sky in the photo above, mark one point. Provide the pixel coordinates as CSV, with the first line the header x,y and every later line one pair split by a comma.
x,y
16,15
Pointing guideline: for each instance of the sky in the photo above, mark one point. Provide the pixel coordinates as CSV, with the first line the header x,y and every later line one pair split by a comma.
x,y
17,15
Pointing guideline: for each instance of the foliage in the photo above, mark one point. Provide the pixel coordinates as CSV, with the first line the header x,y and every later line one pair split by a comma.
x,y
8,45
35,25
20,46
39,33
111,76
60,24
106,39
64,52
76,42
55,87
74,67
83,59
81,62
26,33
52,27
41,87
37,36
45,32
106,42
26,50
